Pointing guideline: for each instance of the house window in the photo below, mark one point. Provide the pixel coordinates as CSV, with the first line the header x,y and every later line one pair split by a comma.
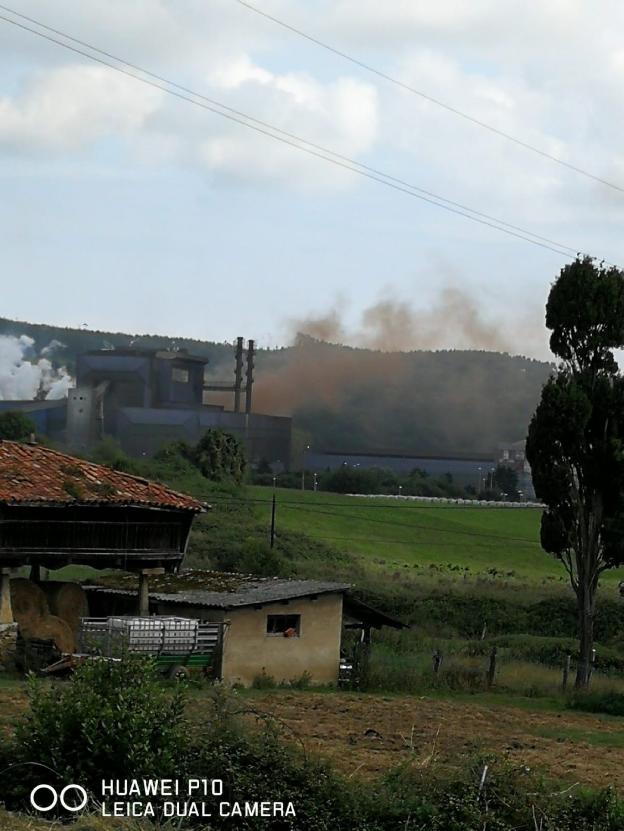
x,y
181,376
286,626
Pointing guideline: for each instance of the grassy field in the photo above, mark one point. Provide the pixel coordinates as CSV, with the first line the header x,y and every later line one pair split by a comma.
x,y
394,533
365,735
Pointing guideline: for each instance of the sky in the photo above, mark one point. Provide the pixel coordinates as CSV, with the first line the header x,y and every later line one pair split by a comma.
x,y
127,209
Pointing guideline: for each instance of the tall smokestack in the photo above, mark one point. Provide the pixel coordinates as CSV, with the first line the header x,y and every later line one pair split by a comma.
x,y
238,374
250,367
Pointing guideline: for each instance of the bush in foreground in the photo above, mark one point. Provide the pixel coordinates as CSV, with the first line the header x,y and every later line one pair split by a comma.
x,y
111,720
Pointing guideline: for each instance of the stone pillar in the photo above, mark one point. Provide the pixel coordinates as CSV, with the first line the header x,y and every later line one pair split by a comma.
x,y
6,610
143,594
8,645
144,576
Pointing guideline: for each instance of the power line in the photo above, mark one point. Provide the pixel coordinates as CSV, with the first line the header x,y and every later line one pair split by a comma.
x,y
289,139
382,540
431,99
571,249
299,506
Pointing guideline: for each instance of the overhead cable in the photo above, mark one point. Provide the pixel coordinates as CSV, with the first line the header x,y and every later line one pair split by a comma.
x,y
431,99
298,143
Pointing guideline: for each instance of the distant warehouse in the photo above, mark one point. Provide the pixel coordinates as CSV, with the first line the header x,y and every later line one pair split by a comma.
x,y
465,469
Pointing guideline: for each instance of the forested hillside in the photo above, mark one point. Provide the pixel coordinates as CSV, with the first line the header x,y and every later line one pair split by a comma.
x,y
358,399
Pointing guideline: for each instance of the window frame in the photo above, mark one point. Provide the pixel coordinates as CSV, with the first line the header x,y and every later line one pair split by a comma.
x,y
280,633
181,371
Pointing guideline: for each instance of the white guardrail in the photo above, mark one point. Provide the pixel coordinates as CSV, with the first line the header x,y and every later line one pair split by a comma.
x,y
466,503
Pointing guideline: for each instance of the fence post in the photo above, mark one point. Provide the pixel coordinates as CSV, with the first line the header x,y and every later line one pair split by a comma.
x,y
492,667
566,672
591,666
437,661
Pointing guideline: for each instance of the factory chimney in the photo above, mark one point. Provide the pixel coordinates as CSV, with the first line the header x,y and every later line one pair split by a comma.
x,y
249,374
238,374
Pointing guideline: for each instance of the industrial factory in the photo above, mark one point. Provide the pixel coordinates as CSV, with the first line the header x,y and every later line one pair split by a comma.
x,y
145,398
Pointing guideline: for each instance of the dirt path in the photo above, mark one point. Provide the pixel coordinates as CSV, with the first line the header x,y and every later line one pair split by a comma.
x,y
369,734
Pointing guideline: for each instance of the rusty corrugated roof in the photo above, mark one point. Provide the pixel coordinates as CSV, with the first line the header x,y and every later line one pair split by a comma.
x,y
31,473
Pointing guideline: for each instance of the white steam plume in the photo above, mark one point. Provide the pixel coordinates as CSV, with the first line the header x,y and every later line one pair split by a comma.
x,y
24,375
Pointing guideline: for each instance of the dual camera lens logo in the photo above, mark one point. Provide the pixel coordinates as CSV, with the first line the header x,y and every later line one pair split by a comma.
x,y
44,798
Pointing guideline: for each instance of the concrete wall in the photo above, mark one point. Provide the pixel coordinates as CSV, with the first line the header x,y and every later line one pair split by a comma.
x,y
247,648
49,417
142,430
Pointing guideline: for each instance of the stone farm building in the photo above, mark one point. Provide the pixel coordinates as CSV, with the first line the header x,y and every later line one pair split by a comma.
x,y
58,510
282,628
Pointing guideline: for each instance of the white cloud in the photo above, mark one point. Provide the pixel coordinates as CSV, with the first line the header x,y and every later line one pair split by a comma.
x,y
515,65
73,106
341,115
68,107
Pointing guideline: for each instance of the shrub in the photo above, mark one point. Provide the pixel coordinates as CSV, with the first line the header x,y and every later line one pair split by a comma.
x,y
220,456
112,719
611,702
300,682
15,426
263,681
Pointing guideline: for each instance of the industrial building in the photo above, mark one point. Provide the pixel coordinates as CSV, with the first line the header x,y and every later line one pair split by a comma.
x,y
513,455
465,470
145,398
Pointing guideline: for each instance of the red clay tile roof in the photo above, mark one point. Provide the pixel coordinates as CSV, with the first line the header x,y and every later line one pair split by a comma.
x,y
35,474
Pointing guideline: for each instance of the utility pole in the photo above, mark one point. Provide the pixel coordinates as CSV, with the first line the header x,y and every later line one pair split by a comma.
x,y
303,464
273,522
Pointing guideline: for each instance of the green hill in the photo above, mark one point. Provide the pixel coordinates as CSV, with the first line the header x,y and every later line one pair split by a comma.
x,y
347,399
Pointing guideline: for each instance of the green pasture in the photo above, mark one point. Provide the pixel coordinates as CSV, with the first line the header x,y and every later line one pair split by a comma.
x,y
391,532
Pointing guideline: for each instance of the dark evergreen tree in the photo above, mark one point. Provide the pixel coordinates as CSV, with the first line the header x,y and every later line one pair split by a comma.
x,y
15,426
220,456
575,442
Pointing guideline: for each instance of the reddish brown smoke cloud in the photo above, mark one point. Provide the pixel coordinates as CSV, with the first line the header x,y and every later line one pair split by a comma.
x,y
454,321
312,374
318,375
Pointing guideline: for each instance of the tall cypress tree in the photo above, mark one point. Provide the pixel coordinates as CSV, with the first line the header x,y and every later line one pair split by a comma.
x,y
575,441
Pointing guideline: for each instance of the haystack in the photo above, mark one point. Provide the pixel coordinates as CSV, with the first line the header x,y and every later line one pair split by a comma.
x,y
28,601
50,628
67,601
